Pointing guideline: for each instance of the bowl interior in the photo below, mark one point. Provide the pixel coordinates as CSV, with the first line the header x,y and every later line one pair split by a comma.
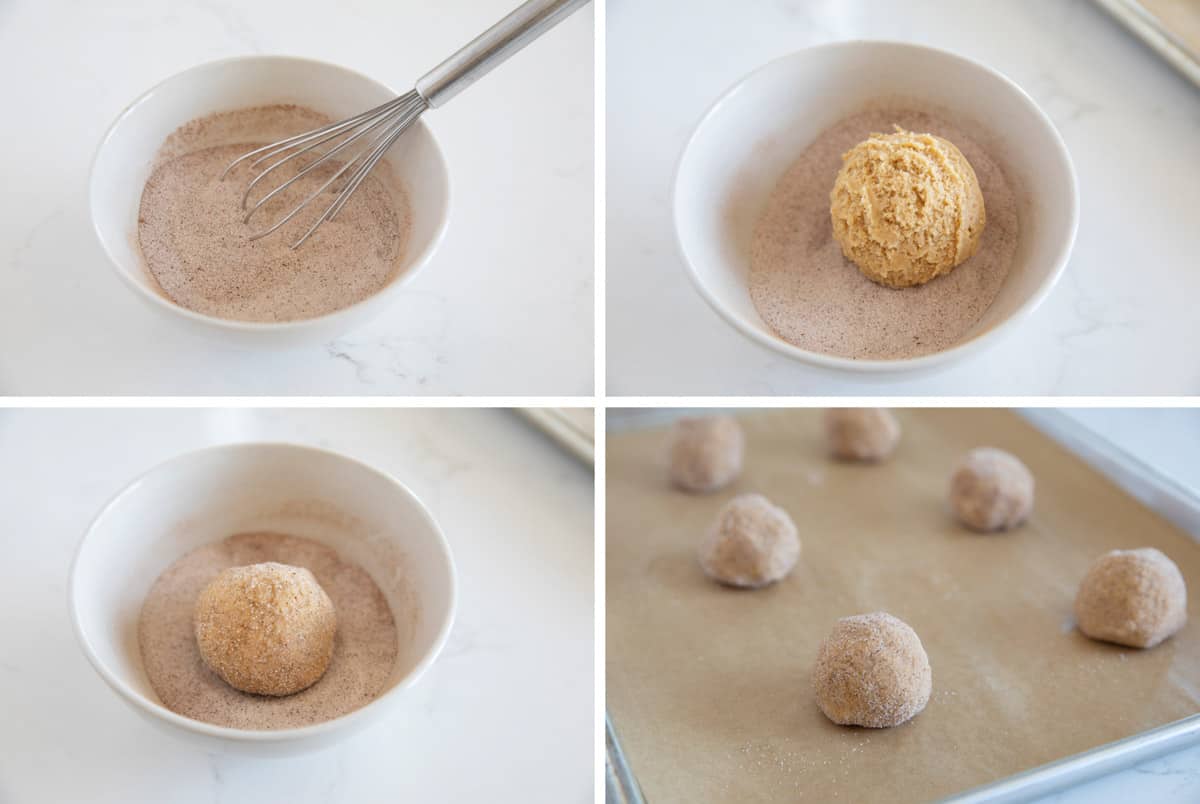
x,y
126,157
208,495
752,135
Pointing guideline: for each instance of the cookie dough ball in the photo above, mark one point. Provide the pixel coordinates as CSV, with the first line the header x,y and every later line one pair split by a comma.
x,y
991,490
706,454
872,671
266,628
906,208
752,543
861,434
1132,597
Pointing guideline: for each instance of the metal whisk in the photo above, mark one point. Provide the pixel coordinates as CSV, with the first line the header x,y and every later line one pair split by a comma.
x,y
388,121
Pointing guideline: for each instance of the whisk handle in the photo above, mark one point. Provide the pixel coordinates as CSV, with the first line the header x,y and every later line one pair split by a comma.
x,y
529,21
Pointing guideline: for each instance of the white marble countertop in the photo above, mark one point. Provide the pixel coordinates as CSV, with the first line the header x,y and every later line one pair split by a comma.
x,y
1121,321
505,307
505,714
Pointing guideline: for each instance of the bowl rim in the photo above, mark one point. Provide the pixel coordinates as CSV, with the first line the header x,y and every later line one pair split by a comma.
x,y
418,261
149,707
910,365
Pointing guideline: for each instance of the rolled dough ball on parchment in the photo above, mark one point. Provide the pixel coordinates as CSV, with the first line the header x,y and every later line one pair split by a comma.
x,y
991,490
752,543
1132,597
872,671
266,628
861,434
706,453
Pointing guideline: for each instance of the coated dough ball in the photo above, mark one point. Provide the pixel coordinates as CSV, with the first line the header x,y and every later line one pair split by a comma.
x,y
991,490
906,208
861,434
266,628
706,454
1132,597
752,543
872,671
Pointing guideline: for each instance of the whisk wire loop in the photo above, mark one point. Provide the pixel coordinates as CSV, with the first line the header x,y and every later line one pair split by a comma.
x,y
390,120
297,139
387,118
375,131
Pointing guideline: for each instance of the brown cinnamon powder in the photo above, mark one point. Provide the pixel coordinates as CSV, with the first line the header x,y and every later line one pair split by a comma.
x,y
364,653
197,247
813,297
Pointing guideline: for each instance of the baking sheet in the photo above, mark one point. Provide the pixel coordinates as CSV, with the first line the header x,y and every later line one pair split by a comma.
x,y
572,428
709,687
1171,27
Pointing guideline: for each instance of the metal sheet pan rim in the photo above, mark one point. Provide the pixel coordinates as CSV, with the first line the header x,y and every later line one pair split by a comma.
x,y
1149,28
1089,765
562,431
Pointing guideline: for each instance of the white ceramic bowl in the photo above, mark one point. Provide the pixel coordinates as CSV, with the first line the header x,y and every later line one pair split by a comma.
x,y
123,164
746,141
205,496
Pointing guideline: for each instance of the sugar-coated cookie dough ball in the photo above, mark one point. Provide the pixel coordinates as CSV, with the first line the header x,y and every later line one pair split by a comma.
x,y
1132,597
266,628
991,490
872,671
906,208
861,434
706,453
752,543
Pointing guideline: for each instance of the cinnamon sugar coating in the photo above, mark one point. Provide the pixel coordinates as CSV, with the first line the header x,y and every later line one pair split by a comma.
x,y
991,490
1132,597
266,628
872,671
706,453
861,434
752,543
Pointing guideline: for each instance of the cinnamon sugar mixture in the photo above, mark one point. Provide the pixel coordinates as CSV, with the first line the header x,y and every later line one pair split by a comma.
x,y
814,298
364,652
197,247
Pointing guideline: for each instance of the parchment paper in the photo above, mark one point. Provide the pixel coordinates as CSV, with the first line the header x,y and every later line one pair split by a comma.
x,y
709,687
